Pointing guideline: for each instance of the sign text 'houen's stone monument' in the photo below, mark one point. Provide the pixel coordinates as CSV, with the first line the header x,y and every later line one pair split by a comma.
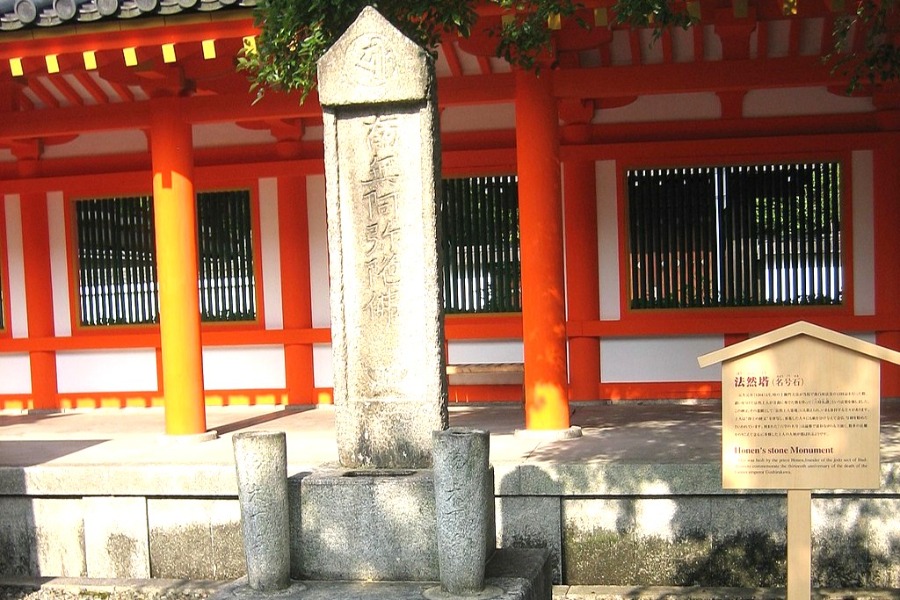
x,y
378,100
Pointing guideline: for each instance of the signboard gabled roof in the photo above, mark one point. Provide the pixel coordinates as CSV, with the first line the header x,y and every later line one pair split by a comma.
x,y
793,330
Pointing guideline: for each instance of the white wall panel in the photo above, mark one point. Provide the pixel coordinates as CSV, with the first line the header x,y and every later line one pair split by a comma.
x,y
608,239
784,102
92,371
18,324
59,264
483,117
485,351
663,107
657,359
100,143
863,241
211,135
243,368
271,252
323,372
15,374
318,250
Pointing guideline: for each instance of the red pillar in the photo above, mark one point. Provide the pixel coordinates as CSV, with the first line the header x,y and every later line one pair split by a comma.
x,y
543,281
582,276
886,171
39,298
293,226
171,148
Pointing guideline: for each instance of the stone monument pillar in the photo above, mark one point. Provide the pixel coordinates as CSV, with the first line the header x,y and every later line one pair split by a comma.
x,y
260,459
382,169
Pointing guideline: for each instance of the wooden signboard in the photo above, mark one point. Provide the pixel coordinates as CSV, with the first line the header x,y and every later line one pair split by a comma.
x,y
801,414
801,411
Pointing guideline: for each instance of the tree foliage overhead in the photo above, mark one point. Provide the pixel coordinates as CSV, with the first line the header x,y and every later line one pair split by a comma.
x,y
877,59
295,33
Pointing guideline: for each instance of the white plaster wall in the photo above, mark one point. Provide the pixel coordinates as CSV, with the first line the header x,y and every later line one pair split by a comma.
x,y
318,250
92,371
485,351
659,107
608,239
323,373
478,118
243,368
100,143
863,207
18,318
59,264
785,102
271,253
15,374
211,135
652,359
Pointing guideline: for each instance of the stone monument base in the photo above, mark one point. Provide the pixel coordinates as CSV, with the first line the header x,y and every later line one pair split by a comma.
x,y
518,573
370,525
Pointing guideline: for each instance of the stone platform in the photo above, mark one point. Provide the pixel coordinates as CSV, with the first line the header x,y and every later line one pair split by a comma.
x,y
636,501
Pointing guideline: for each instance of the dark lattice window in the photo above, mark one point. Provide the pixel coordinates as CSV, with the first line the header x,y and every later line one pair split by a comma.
x,y
758,235
116,261
227,281
118,282
481,245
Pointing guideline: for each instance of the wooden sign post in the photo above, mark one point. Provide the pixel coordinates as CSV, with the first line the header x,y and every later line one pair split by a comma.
x,y
801,411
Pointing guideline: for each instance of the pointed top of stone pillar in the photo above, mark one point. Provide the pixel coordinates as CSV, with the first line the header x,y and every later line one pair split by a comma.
x,y
373,62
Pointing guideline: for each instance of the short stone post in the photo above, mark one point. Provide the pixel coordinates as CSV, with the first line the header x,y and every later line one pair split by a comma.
x,y
461,472
261,461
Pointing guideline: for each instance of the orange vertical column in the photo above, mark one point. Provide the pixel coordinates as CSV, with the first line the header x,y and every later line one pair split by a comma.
x,y
39,298
543,281
293,226
886,171
171,147
582,275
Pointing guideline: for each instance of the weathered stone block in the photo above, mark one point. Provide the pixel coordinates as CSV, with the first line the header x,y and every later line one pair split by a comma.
x,y
17,537
855,542
367,525
192,538
670,541
59,537
532,522
116,537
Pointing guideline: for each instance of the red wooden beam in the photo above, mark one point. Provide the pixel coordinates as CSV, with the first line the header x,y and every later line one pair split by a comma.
x,y
44,94
706,76
66,89
118,34
91,87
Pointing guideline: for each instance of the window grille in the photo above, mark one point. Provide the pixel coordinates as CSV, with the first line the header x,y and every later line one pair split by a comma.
x,y
116,261
227,281
480,220
117,276
758,235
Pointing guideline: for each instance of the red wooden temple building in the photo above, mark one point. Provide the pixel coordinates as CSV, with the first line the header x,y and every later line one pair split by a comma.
x,y
640,203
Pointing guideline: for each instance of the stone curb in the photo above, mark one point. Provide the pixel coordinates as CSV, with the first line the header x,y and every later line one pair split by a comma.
x,y
151,587
599,592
